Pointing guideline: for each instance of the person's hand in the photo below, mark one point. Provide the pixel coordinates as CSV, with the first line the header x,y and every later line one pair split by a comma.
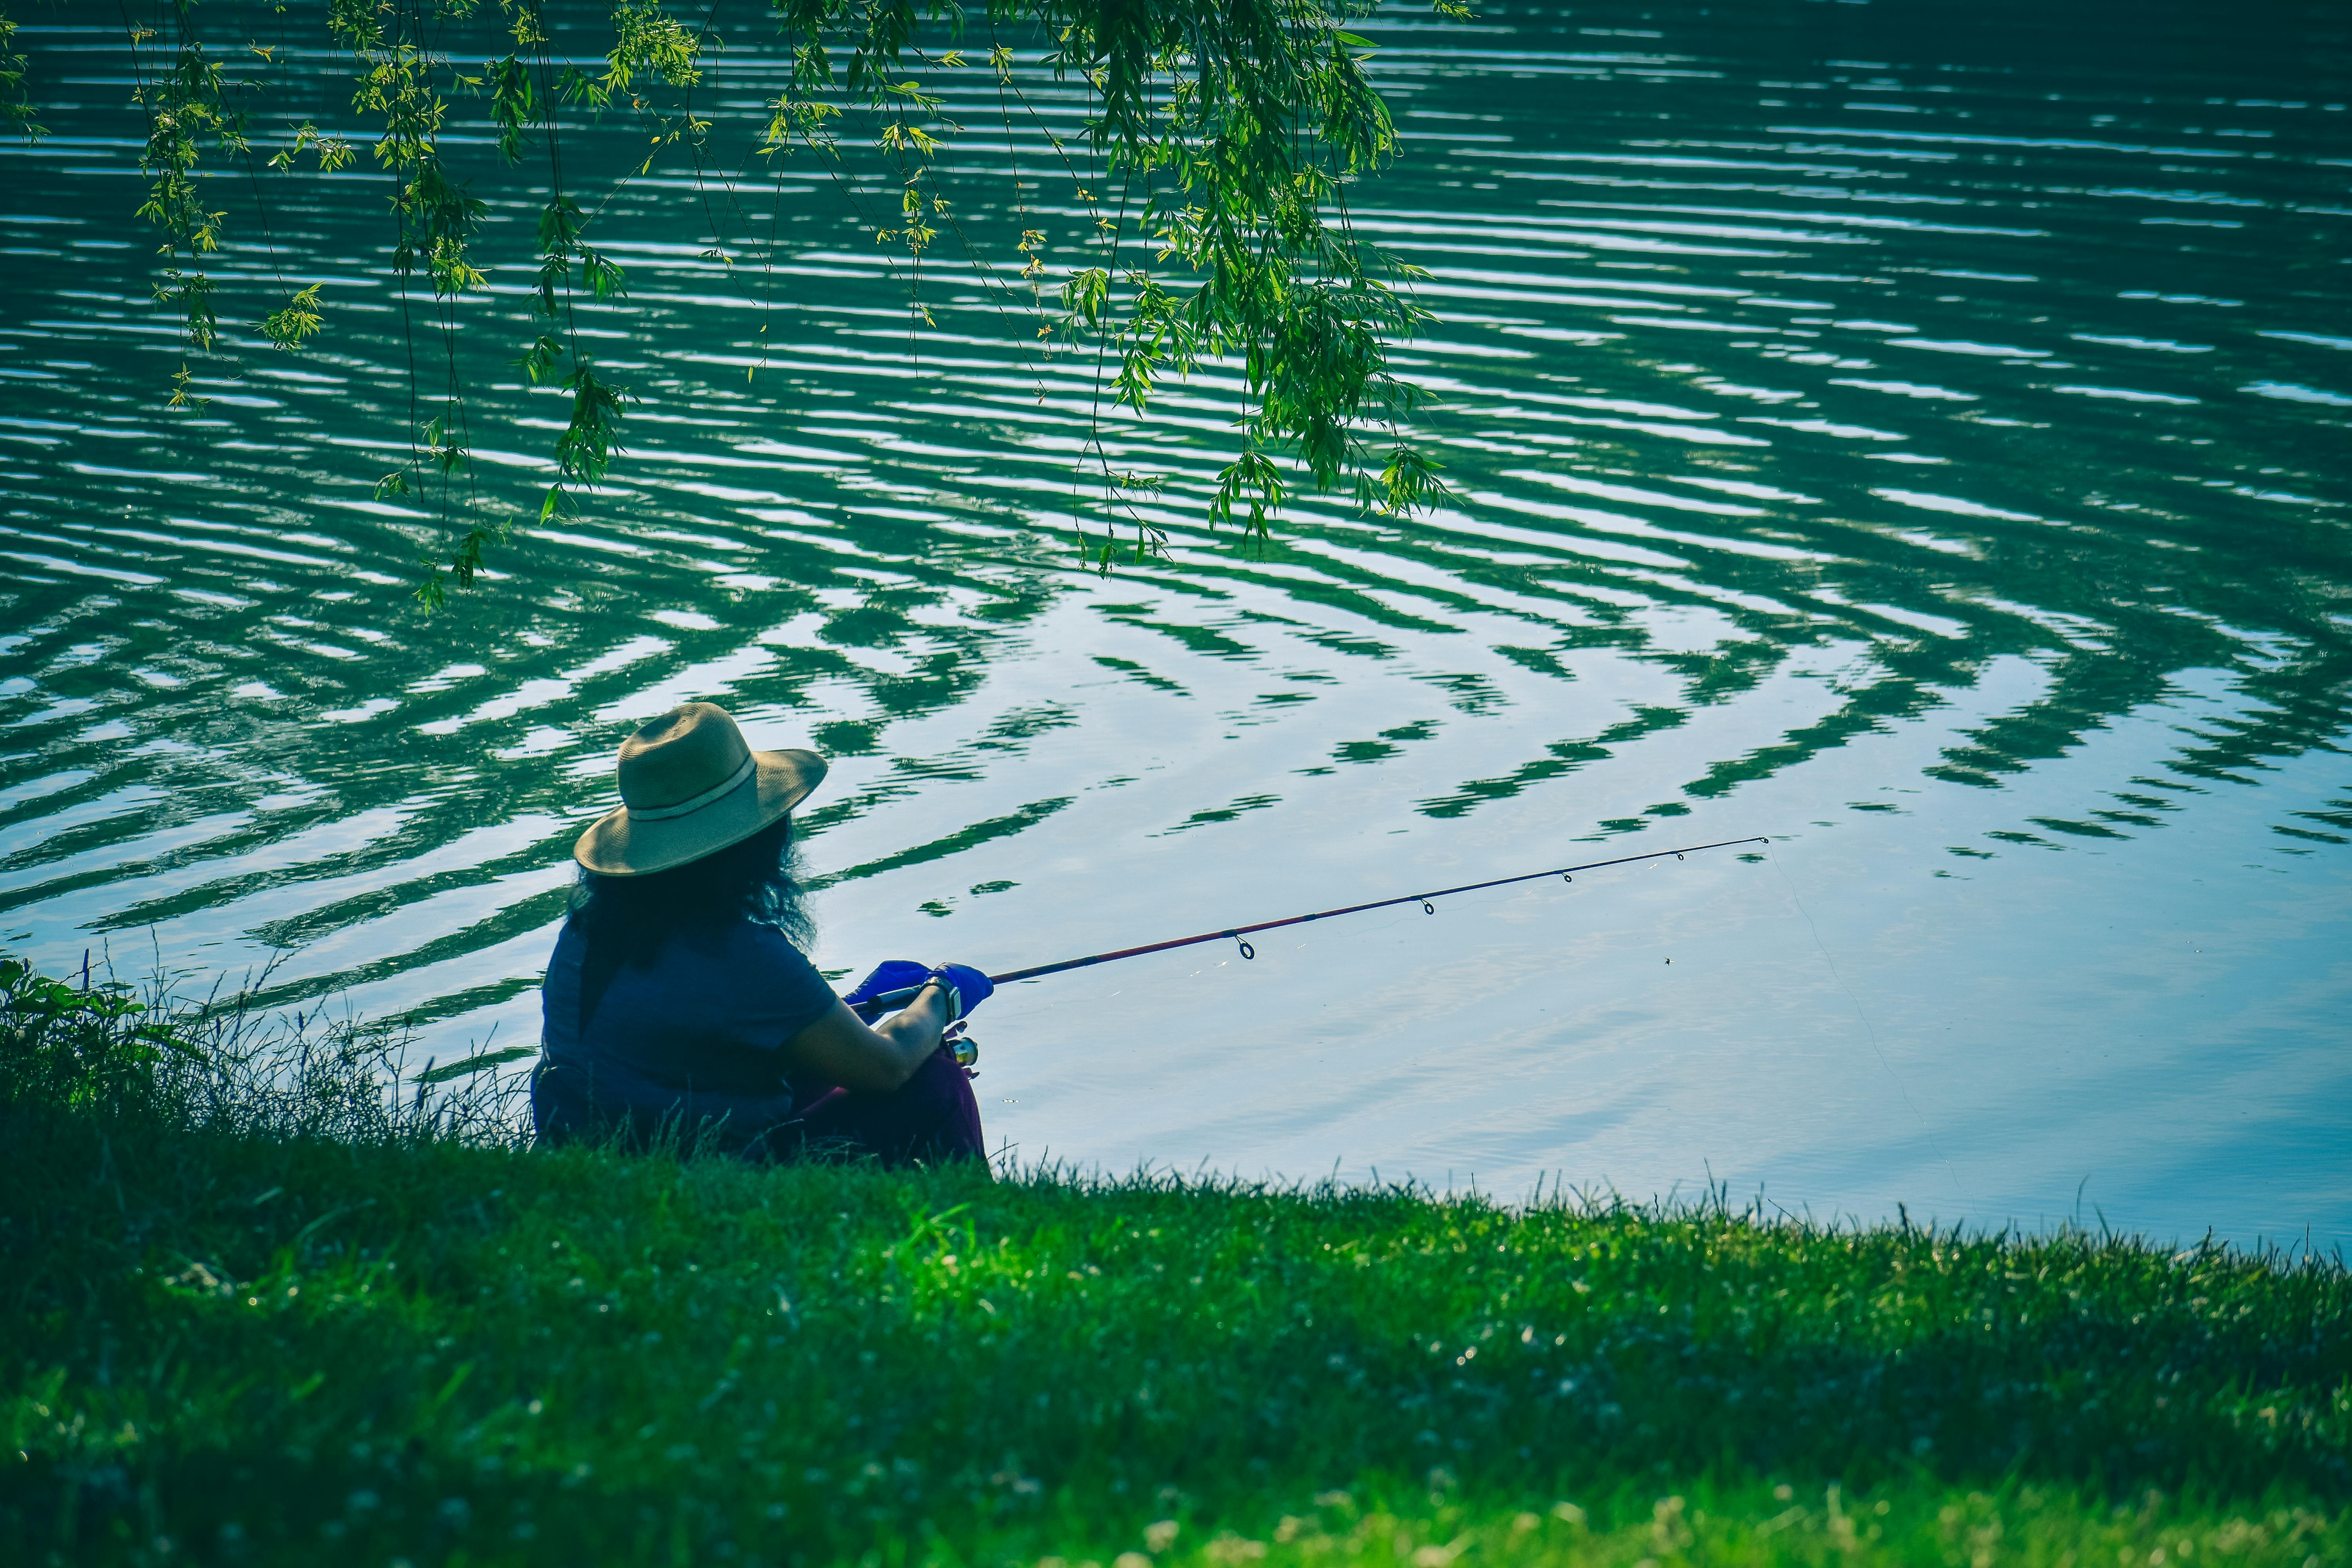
x,y
890,975
967,989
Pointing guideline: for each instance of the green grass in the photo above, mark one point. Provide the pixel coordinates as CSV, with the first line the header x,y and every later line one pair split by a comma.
x,y
231,1333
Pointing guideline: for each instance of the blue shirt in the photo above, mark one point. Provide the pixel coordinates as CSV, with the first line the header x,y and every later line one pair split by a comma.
x,y
697,1032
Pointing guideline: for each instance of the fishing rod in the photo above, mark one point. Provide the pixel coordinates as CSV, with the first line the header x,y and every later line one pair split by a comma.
x,y
1241,934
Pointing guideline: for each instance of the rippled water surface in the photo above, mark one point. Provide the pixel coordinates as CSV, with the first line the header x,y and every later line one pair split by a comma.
x,y
1924,445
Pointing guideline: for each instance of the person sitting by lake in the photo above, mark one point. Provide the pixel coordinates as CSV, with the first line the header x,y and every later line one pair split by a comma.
x,y
679,1001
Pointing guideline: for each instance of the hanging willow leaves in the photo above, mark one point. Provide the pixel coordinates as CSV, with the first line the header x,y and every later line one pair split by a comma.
x,y
1215,164
1248,121
16,109
286,328
187,110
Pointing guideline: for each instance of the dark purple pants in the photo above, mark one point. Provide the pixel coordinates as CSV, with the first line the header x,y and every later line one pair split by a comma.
x,y
933,1116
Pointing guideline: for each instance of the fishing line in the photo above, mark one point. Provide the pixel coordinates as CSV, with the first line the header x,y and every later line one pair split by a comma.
x,y
1926,1129
1242,933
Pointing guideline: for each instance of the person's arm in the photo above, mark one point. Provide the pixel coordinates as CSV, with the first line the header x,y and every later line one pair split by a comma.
x,y
839,1047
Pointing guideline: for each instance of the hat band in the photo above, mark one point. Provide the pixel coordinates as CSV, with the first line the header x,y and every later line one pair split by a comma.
x,y
696,803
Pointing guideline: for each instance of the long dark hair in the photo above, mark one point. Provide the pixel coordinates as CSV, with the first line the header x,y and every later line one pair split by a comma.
x,y
629,920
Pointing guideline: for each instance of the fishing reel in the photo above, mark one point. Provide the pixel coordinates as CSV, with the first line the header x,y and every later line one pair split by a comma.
x,y
962,1047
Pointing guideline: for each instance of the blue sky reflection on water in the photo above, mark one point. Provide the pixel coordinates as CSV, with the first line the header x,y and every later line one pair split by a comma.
x,y
1931,460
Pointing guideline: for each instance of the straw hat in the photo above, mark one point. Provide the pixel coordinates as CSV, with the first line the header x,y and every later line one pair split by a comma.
x,y
690,787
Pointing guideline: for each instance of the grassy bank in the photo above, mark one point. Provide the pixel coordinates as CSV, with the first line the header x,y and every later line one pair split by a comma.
x,y
235,1336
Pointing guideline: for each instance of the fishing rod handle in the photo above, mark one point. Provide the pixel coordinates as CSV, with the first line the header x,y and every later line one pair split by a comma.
x,y
874,1008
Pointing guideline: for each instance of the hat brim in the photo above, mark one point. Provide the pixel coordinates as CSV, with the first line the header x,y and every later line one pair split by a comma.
x,y
616,845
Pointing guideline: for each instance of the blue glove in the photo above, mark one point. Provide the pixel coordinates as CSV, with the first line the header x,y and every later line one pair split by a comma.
x,y
890,975
968,986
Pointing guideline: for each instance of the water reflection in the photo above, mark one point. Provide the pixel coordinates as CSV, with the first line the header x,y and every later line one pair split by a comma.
x,y
1852,429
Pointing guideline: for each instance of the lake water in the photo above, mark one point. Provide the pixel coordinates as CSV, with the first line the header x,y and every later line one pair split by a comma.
x,y
1925,444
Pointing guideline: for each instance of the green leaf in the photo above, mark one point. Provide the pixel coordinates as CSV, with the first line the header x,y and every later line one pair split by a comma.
x,y
286,328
